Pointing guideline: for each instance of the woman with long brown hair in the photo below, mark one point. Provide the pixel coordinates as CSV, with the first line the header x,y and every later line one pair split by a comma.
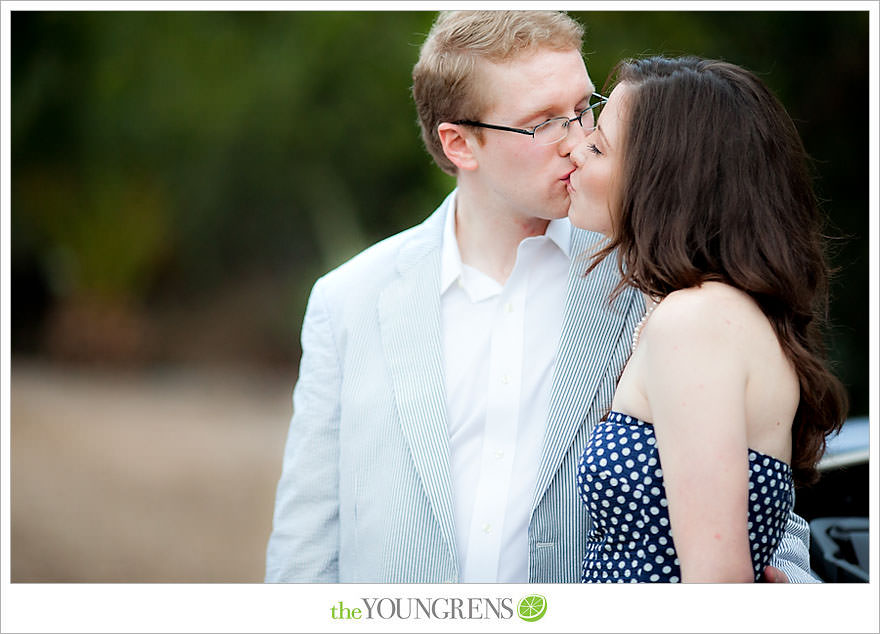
x,y
699,180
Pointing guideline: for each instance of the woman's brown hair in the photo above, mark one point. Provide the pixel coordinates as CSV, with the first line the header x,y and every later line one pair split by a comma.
x,y
716,186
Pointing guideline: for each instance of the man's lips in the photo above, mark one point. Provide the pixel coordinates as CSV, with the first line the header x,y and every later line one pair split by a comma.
x,y
567,179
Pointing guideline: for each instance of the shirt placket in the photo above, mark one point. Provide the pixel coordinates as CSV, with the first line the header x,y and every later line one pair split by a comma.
x,y
499,438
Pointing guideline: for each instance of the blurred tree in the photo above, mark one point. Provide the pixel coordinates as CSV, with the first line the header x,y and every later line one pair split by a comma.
x,y
163,160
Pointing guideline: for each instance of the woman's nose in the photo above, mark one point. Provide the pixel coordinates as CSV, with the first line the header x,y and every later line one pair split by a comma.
x,y
577,153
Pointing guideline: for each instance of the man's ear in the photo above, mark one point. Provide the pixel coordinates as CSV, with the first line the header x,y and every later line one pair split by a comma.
x,y
457,146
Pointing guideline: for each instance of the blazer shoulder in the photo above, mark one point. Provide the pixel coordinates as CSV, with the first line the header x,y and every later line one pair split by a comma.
x,y
372,269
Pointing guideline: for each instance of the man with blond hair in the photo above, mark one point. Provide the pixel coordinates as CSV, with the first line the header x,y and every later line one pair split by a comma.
x,y
451,374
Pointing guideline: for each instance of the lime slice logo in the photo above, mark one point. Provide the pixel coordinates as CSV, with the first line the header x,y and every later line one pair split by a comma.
x,y
532,608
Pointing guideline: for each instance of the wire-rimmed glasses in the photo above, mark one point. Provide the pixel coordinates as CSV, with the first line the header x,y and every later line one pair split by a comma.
x,y
552,130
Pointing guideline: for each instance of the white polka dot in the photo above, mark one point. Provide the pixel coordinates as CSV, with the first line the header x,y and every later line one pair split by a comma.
x,y
637,502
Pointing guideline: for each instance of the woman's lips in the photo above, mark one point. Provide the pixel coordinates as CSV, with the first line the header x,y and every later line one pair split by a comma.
x,y
567,180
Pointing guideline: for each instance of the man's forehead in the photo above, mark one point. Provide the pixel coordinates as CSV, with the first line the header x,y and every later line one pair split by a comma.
x,y
536,62
536,81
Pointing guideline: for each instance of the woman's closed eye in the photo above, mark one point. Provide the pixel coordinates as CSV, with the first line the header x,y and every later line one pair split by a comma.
x,y
595,150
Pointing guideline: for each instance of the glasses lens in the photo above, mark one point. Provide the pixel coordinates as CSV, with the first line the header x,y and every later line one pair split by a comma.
x,y
591,115
589,118
551,131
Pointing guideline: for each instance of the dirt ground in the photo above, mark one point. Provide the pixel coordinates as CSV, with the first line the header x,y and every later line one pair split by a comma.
x,y
164,476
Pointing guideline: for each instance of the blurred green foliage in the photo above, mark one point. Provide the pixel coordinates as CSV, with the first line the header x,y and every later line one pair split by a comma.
x,y
157,156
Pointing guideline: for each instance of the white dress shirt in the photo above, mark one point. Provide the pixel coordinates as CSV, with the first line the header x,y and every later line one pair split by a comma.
x,y
499,350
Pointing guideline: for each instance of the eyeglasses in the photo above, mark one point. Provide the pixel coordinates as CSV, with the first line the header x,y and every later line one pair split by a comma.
x,y
552,130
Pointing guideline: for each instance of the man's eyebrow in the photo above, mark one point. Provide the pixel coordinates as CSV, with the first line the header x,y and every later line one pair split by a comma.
x,y
551,111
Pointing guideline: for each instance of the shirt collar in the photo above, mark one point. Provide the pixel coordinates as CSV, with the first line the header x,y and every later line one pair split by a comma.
x,y
558,230
450,256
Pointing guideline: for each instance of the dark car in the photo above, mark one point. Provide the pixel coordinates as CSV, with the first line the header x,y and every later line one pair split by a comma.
x,y
836,507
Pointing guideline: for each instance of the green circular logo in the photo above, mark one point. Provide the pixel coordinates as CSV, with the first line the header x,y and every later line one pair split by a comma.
x,y
532,608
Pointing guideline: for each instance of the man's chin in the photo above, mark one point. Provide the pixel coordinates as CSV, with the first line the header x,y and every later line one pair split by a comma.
x,y
556,214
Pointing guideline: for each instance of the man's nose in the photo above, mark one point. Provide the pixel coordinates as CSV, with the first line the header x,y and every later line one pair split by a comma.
x,y
576,134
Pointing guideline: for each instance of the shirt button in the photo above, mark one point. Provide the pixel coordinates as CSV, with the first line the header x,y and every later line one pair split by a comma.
x,y
487,528
499,454
509,307
505,379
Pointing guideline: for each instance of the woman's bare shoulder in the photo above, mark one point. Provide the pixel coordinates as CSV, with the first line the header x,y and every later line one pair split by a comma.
x,y
713,310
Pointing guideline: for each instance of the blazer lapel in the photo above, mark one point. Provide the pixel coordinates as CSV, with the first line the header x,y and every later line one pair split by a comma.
x,y
590,332
409,317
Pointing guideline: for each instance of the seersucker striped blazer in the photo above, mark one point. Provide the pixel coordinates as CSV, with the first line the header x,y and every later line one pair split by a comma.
x,y
365,492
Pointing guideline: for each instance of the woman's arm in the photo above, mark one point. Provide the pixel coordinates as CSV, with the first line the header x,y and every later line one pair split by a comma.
x,y
695,383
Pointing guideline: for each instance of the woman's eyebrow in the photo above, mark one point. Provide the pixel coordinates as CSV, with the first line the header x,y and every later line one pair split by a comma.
x,y
602,134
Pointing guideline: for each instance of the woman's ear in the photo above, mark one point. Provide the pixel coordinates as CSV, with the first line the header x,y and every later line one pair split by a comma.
x,y
457,146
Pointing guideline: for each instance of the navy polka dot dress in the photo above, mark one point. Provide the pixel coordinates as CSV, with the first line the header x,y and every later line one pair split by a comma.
x,y
620,480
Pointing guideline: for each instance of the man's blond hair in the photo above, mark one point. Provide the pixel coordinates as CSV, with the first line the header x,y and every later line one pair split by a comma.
x,y
445,82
